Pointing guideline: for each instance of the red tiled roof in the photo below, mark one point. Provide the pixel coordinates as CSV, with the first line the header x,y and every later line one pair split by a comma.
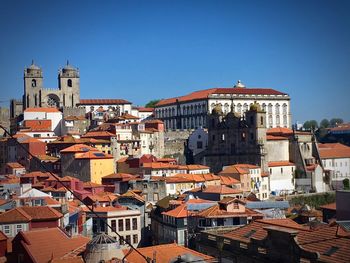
x,y
14,165
143,109
258,226
156,165
238,169
331,206
341,127
279,131
105,209
132,194
30,213
203,94
41,109
280,163
196,167
102,101
222,189
78,148
228,180
93,155
216,212
178,212
163,253
38,125
120,176
275,138
37,245
127,116
322,240
333,150
93,134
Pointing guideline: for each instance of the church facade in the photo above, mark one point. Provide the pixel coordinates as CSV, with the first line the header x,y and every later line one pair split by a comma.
x,y
233,139
36,95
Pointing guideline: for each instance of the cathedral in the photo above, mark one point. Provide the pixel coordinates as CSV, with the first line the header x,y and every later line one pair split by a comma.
x,y
234,139
67,94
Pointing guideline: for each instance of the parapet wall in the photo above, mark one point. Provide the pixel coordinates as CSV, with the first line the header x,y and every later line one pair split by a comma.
x,y
74,111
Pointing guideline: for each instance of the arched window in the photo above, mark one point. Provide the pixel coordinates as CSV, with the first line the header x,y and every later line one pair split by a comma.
x,y
285,120
233,106
33,83
284,108
270,108
69,83
277,120
270,121
261,120
239,108
245,107
36,100
226,108
277,107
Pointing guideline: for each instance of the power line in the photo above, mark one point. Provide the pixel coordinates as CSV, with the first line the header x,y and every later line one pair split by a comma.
x,y
67,188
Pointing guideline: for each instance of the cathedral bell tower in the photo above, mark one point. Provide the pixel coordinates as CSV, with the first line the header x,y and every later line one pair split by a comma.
x,y
69,85
33,84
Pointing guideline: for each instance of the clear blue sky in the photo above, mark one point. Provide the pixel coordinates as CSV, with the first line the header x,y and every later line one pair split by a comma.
x,y
142,50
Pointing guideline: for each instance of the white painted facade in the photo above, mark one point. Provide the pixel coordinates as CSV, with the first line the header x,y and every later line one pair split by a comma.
x,y
282,179
123,108
340,169
11,230
41,114
194,112
123,221
198,140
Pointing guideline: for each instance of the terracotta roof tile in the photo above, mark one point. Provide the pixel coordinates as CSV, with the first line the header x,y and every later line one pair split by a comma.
x,y
279,131
331,206
258,231
204,94
280,163
38,125
36,242
41,109
14,165
164,253
228,180
222,189
94,134
30,213
216,212
78,148
93,155
333,150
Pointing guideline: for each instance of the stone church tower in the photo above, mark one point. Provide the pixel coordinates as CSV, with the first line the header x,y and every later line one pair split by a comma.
x,y
67,94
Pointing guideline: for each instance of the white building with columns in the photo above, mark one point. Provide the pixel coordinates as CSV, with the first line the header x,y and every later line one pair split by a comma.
x,y
191,111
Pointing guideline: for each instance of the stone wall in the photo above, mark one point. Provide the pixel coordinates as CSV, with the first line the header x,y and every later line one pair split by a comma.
x,y
174,144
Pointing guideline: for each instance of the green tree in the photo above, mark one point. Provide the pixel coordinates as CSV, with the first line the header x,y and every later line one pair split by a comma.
x,y
324,123
335,121
152,104
312,124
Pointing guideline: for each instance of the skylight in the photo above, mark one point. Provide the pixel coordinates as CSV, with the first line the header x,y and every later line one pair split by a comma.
x,y
250,233
331,251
